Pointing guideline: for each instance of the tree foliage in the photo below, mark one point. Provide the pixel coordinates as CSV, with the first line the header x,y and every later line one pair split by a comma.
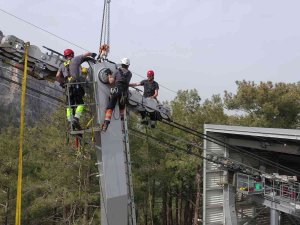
x,y
266,104
59,182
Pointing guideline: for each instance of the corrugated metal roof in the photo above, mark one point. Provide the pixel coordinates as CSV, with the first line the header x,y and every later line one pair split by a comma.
x,y
289,134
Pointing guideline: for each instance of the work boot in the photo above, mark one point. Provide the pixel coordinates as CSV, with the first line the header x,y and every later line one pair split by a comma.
x,y
105,125
144,121
152,123
76,124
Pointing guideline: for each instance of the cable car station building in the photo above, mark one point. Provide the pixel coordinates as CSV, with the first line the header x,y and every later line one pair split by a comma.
x,y
251,176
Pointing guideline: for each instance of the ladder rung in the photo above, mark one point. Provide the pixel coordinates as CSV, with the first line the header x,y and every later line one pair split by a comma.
x,y
85,131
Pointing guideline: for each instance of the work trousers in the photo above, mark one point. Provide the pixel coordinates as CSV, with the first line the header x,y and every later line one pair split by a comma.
x,y
117,96
75,101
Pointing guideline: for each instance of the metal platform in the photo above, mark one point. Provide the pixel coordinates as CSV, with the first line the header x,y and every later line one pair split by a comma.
x,y
281,195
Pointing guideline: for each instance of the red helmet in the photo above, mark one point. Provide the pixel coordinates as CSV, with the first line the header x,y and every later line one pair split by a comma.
x,y
150,73
68,52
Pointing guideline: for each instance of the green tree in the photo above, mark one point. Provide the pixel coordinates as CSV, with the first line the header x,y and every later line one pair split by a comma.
x,y
59,182
188,110
265,104
8,174
59,186
167,180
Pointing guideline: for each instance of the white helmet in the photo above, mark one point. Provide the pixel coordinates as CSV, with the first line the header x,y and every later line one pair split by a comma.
x,y
125,61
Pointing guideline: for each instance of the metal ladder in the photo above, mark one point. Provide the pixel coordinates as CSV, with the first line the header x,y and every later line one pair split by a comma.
x,y
89,103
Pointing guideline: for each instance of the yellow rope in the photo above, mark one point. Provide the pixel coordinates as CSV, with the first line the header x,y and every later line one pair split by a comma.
x,y
90,122
22,126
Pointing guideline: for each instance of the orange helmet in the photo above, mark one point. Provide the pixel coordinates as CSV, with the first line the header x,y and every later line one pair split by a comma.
x,y
68,52
150,73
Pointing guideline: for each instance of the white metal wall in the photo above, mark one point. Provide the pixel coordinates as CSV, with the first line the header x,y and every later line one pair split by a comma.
x,y
212,185
213,193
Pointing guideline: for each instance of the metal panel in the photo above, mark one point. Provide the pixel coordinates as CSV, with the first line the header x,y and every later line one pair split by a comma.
x,y
245,212
214,216
214,197
229,205
111,158
214,148
290,134
212,166
264,219
102,90
214,179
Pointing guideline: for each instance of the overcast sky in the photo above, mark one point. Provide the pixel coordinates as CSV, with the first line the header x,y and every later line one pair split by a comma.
x,y
202,44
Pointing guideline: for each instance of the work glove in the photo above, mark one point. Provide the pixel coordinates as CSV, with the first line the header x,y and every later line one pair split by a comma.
x,y
63,85
94,55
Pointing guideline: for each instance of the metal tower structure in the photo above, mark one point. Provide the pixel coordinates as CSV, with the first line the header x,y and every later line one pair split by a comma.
x,y
112,146
112,149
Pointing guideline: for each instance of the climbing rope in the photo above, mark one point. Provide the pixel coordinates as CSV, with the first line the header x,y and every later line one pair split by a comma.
x,y
105,31
22,127
105,27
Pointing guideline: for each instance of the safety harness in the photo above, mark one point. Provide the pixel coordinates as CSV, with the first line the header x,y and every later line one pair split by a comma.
x,y
67,63
124,84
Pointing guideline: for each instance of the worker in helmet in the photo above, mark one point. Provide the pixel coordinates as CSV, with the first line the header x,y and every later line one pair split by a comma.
x,y
150,85
119,80
70,71
150,91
